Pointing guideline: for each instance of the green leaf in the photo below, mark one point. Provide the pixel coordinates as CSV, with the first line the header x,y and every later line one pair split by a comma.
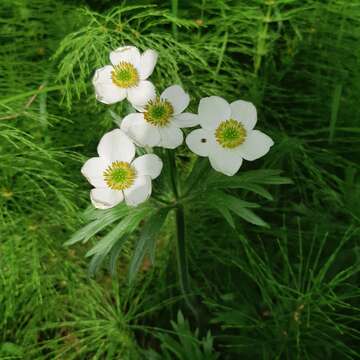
x,y
258,189
335,110
104,219
99,258
146,240
262,176
199,170
114,254
276,180
220,198
241,208
126,226
95,263
226,214
224,203
250,217
234,203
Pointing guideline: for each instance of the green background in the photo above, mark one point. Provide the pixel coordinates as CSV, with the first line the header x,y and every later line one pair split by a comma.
x,y
285,291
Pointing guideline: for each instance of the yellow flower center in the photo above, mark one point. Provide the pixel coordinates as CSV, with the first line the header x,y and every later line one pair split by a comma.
x,y
230,134
120,175
158,112
125,75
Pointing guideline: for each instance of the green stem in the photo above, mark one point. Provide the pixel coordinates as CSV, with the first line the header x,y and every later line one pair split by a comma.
x,y
174,10
182,258
181,251
172,167
182,263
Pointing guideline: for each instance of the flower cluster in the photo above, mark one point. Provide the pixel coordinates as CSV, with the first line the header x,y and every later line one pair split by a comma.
x,y
226,134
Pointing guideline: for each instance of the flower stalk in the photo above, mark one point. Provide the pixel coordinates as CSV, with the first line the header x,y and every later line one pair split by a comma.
x,y
181,257
174,10
172,169
181,253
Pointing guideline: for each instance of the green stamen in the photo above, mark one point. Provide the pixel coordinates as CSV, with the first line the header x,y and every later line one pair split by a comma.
x,y
125,75
158,112
119,175
230,134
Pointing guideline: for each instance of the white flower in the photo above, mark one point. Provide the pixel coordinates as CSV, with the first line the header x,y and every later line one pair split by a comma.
x,y
126,77
160,120
227,134
116,175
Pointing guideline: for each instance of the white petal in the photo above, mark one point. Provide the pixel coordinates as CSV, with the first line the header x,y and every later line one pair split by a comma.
x,y
140,131
148,61
116,146
149,164
226,161
245,112
128,120
106,91
139,192
186,120
199,142
129,54
171,137
256,145
142,108
93,170
213,110
141,94
178,98
105,198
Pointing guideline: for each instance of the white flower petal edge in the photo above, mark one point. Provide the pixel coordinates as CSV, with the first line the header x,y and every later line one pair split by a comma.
x,y
142,133
245,112
141,94
148,61
213,110
186,120
129,54
171,137
139,192
198,142
110,84
226,135
116,146
105,198
161,128
177,97
148,165
93,169
225,160
116,175
256,145
105,90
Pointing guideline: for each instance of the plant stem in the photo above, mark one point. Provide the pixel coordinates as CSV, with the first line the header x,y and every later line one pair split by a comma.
x,y
174,10
172,167
182,259
182,263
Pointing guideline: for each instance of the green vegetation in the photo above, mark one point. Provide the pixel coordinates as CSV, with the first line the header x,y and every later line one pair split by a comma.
x,y
273,263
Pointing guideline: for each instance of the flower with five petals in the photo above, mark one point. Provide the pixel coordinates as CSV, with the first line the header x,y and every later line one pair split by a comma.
x,y
126,77
227,134
117,175
159,122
